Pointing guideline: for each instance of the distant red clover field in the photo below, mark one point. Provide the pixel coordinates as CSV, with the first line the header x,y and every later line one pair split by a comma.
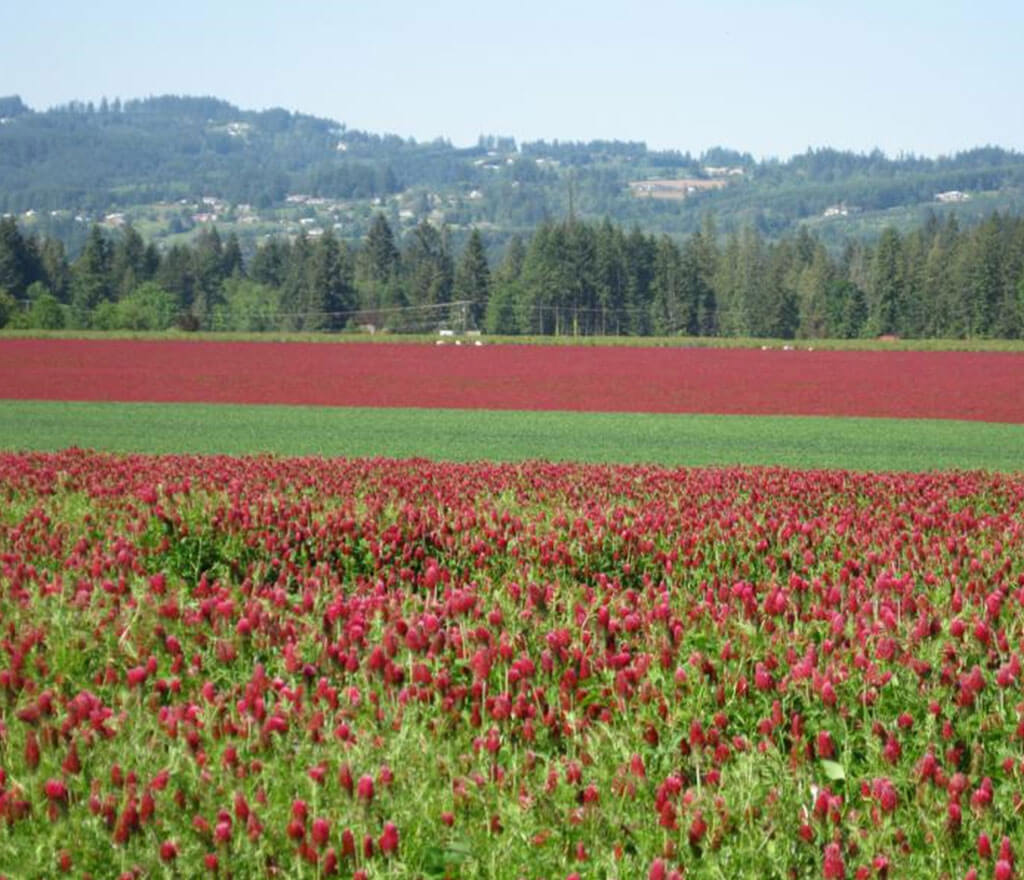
x,y
939,385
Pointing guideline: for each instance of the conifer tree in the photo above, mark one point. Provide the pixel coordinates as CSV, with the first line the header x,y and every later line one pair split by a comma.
x,y
91,277
473,278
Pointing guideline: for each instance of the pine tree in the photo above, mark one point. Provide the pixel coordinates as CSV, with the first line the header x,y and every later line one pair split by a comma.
x,y
16,271
329,295
667,308
581,295
128,263
704,245
208,268
938,310
56,273
777,308
377,271
611,277
639,252
295,290
731,312
1011,308
473,278
545,279
812,284
887,279
503,306
913,315
985,275
379,260
176,275
750,304
90,277
427,266
231,260
512,263
269,265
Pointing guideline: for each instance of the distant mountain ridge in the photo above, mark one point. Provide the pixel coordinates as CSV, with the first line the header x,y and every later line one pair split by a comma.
x,y
161,162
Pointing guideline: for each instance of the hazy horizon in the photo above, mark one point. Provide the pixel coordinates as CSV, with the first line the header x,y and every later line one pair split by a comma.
x,y
771,80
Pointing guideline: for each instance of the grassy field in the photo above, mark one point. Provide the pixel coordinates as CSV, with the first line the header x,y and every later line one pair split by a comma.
x,y
1011,345
466,435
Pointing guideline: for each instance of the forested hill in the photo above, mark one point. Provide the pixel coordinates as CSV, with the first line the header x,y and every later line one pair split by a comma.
x,y
169,165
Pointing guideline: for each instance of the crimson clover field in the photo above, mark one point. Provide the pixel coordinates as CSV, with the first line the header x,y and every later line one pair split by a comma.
x,y
263,665
965,385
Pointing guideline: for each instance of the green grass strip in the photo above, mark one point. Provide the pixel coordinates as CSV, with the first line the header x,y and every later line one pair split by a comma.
x,y
464,435
871,344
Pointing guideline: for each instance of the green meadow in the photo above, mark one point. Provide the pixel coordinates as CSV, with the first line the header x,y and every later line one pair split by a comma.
x,y
466,435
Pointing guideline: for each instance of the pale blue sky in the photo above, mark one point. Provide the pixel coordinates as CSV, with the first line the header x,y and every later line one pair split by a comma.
x,y
769,78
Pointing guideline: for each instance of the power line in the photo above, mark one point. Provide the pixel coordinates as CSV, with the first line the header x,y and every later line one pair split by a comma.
x,y
399,318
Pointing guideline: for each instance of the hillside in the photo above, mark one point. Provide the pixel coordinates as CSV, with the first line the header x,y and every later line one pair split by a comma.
x,y
169,165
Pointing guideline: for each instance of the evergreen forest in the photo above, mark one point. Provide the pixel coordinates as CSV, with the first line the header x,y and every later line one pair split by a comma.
x,y
567,277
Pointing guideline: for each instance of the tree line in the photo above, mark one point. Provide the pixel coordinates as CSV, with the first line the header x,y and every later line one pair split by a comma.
x,y
566,278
